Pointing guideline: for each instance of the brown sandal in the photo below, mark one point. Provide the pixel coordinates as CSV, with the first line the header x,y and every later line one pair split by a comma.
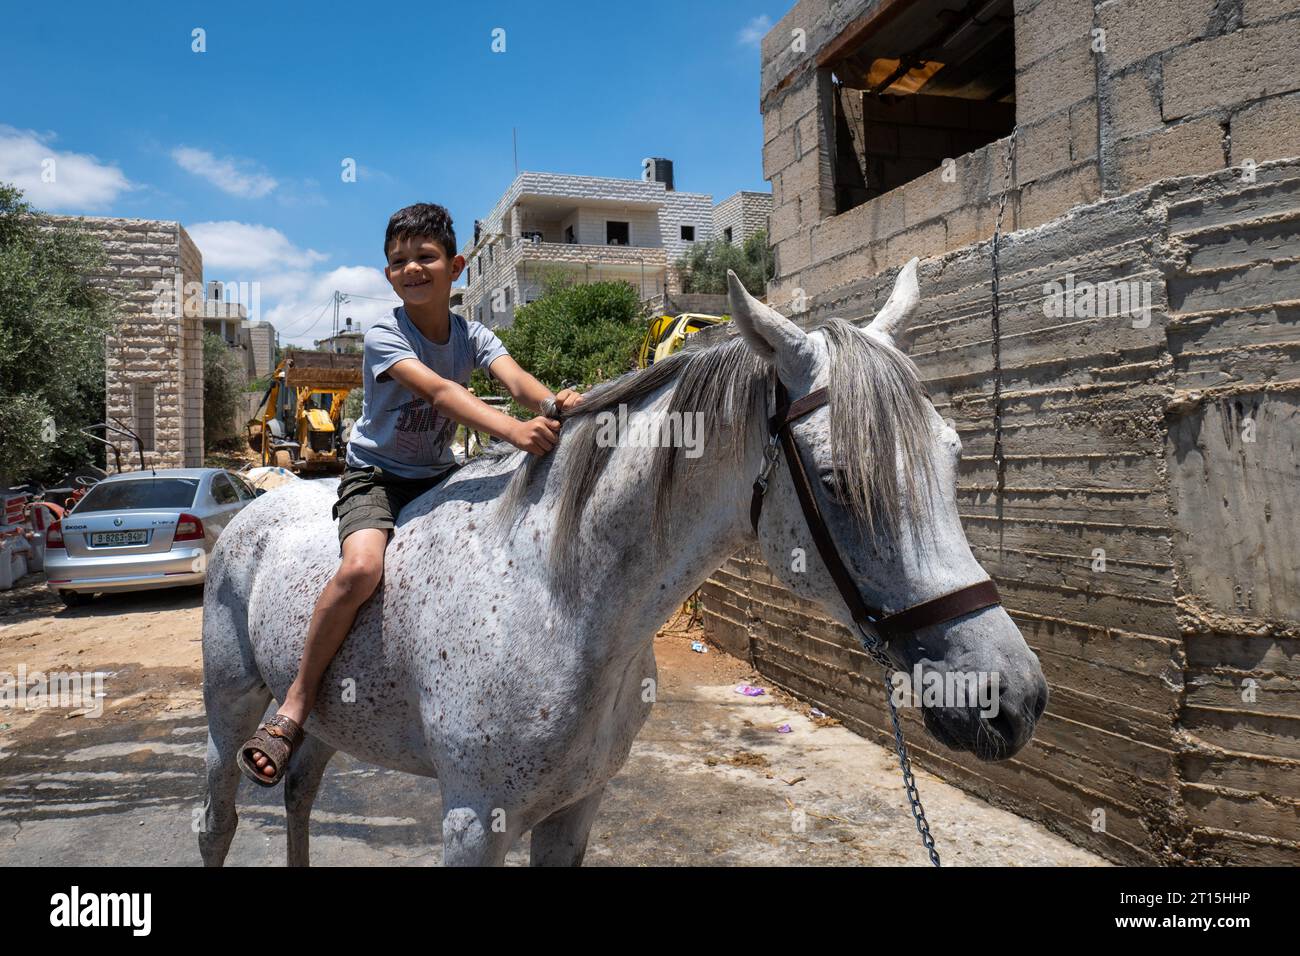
x,y
277,739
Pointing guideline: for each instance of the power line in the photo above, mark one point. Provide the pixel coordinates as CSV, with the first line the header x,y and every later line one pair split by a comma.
x,y
299,331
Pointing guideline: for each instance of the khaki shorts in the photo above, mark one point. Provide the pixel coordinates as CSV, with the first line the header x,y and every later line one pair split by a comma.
x,y
373,498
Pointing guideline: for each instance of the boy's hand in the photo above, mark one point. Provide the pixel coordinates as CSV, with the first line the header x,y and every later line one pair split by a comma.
x,y
566,399
537,435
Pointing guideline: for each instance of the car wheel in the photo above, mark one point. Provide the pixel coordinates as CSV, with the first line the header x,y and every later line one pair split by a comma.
x,y
73,598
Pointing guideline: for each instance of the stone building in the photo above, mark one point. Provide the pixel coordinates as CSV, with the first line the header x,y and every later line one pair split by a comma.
x,y
254,339
1129,420
741,215
595,229
154,361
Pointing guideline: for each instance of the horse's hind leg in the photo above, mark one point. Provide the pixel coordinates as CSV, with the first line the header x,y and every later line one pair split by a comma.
x,y
234,697
301,783
231,720
561,839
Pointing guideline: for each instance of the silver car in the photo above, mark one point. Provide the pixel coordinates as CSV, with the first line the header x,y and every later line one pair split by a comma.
x,y
142,530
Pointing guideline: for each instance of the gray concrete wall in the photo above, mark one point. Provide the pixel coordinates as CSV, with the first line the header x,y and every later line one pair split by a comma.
x,y
1131,440
1164,160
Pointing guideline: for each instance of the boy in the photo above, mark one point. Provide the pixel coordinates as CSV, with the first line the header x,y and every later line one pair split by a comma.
x,y
416,368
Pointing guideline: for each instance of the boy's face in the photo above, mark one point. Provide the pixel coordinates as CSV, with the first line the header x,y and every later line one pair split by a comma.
x,y
420,271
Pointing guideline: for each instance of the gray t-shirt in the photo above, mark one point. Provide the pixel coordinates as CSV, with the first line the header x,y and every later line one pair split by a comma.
x,y
400,432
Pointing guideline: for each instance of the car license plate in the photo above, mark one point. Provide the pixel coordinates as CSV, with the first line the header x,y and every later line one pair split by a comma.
x,y
117,539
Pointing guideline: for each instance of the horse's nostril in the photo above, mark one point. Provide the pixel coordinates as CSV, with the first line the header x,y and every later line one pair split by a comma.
x,y
1040,703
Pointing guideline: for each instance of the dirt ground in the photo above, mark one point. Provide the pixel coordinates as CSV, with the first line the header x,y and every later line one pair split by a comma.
x,y
710,780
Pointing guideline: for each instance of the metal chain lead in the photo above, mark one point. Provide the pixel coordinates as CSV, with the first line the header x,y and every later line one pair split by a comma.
x,y
872,647
999,463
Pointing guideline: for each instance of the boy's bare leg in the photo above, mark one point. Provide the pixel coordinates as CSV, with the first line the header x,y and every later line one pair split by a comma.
x,y
358,575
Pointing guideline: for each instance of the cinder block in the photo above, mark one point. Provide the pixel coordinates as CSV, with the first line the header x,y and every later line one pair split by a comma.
x,y
795,253
1050,25
799,101
1056,81
973,223
1186,149
1254,11
779,153
771,124
1043,148
1134,102
923,241
930,195
1083,130
1269,129
801,177
1137,29
784,221
1229,70
807,135
1046,199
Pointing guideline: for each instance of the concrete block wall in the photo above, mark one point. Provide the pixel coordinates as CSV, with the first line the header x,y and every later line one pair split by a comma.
x,y
1110,96
155,343
744,213
1175,672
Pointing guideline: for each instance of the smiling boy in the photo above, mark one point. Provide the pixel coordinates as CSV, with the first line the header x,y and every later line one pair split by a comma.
x,y
416,371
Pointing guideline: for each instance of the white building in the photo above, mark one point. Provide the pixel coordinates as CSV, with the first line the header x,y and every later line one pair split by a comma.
x,y
592,228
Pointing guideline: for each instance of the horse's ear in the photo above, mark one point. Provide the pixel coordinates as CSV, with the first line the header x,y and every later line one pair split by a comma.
x,y
772,336
891,321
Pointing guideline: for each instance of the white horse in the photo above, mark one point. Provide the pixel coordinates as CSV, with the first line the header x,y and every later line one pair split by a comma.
x,y
506,652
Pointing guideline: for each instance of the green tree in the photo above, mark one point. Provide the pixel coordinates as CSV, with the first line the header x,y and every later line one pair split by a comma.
x,y
575,334
704,267
223,391
53,320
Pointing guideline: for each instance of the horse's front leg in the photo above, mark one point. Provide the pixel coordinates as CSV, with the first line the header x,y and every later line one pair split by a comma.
x,y
561,839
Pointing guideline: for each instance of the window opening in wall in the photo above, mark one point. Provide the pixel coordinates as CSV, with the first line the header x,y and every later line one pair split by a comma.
x,y
569,237
688,233
927,81
726,235
616,233
145,413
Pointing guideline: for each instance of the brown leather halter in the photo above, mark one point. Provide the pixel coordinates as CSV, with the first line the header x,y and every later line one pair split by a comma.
x,y
946,607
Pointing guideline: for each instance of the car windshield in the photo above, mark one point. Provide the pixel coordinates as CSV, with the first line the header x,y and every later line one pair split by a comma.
x,y
139,494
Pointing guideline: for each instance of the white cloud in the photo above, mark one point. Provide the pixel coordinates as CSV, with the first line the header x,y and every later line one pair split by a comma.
x,y
238,177
753,32
291,292
53,179
248,247
302,314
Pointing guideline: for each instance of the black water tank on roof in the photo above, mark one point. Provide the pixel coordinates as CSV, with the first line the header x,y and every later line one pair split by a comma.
x,y
659,170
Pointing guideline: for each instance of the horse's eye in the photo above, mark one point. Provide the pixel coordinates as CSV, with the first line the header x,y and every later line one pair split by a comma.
x,y
830,482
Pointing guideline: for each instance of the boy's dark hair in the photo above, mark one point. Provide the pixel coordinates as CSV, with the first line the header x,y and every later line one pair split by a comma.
x,y
425,219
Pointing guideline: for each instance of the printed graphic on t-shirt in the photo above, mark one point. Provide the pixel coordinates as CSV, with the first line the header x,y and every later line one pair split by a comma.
x,y
421,431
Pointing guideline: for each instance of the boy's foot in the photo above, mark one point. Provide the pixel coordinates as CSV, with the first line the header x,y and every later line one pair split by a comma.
x,y
265,755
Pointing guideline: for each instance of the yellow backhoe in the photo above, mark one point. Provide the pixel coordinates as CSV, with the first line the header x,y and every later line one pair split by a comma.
x,y
299,422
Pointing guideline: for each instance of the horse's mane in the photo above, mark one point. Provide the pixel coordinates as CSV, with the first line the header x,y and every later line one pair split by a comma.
x,y
878,411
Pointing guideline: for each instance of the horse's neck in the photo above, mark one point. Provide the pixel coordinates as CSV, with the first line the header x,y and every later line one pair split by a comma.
x,y
707,521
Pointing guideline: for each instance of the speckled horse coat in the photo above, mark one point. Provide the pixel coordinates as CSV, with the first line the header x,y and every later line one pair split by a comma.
x,y
468,665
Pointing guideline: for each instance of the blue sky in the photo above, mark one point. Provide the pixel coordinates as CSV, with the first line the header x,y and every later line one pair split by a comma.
x,y
244,143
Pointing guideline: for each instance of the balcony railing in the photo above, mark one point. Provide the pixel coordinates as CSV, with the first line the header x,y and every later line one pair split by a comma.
x,y
578,252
